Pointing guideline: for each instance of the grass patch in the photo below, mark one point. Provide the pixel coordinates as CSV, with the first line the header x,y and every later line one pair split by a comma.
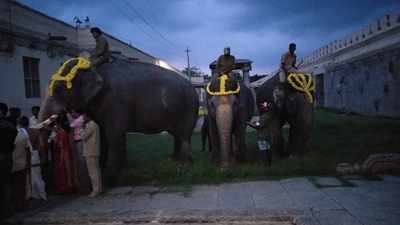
x,y
335,138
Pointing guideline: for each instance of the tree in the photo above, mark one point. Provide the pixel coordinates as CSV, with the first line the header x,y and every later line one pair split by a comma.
x,y
194,72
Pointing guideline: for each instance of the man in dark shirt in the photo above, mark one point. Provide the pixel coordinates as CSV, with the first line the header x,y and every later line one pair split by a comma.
x,y
102,51
225,63
8,132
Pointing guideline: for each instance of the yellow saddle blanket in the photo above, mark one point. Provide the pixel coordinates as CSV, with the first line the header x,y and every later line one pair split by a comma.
x,y
223,86
58,76
304,83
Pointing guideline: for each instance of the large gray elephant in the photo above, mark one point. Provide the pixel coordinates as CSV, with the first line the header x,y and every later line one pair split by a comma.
x,y
125,97
227,117
286,105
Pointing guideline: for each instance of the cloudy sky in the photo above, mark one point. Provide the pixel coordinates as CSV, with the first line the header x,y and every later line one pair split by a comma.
x,y
259,30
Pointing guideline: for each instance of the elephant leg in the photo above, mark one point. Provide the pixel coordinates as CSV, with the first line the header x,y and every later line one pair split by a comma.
x,y
293,139
277,139
213,137
240,141
209,142
298,139
186,150
104,146
116,158
204,135
177,148
300,128
182,149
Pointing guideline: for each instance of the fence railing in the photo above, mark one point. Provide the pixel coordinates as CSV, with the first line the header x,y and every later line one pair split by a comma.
x,y
387,22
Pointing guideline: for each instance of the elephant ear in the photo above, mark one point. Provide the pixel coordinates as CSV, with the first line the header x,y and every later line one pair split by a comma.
x,y
91,85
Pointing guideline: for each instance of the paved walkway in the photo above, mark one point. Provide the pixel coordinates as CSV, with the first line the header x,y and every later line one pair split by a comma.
x,y
308,201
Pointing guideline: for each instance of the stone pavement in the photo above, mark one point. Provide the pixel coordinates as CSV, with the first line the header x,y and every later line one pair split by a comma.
x,y
307,201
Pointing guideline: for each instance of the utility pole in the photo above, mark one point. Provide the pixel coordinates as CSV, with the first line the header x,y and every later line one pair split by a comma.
x,y
188,64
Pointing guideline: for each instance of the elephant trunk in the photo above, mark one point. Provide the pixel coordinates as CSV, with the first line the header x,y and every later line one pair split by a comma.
x,y
224,120
49,107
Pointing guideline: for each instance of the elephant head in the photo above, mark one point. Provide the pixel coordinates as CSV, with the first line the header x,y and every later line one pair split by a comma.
x,y
84,87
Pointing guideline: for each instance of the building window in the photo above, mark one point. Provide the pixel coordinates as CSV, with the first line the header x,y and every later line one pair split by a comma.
x,y
31,77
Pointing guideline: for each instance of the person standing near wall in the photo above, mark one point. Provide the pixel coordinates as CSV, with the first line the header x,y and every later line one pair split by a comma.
x,y
8,133
36,184
34,119
21,164
91,151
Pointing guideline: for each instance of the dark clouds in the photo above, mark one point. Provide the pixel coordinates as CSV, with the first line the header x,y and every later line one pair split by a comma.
x,y
257,30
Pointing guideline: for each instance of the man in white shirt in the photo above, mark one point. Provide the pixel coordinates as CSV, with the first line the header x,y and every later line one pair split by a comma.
x,y
21,164
34,119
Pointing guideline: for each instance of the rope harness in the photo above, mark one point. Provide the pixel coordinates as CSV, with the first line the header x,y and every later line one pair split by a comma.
x,y
81,64
222,80
302,82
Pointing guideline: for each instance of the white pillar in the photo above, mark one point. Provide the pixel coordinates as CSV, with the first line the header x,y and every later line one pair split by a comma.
x,y
246,76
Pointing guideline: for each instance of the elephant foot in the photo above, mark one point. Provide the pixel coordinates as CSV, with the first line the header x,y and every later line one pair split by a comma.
x,y
284,155
214,159
110,177
174,158
184,159
225,168
241,158
110,180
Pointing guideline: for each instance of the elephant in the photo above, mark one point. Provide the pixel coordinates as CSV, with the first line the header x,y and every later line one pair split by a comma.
x,y
205,135
227,117
124,96
285,105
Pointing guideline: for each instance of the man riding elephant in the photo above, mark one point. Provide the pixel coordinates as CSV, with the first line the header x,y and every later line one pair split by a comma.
x,y
225,62
102,51
288,63
225,65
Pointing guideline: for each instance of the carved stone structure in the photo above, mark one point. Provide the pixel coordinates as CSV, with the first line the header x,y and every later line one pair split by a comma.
x,y
382,163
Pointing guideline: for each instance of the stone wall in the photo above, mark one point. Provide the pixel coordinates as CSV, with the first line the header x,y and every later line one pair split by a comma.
x,y
369,85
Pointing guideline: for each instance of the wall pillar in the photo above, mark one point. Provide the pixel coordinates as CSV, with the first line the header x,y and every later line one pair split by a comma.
x,y
246,76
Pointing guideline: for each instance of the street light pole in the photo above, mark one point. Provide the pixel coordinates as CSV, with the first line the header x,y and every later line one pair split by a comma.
x,y
188,64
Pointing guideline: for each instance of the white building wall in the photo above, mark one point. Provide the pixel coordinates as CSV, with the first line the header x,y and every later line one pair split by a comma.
x,y
12,87
26,20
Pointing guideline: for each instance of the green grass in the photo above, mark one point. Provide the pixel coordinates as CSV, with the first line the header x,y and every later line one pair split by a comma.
x,y
335,138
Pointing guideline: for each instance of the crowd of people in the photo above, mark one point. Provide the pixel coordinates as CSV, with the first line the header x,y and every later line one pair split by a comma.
x,y
59,155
